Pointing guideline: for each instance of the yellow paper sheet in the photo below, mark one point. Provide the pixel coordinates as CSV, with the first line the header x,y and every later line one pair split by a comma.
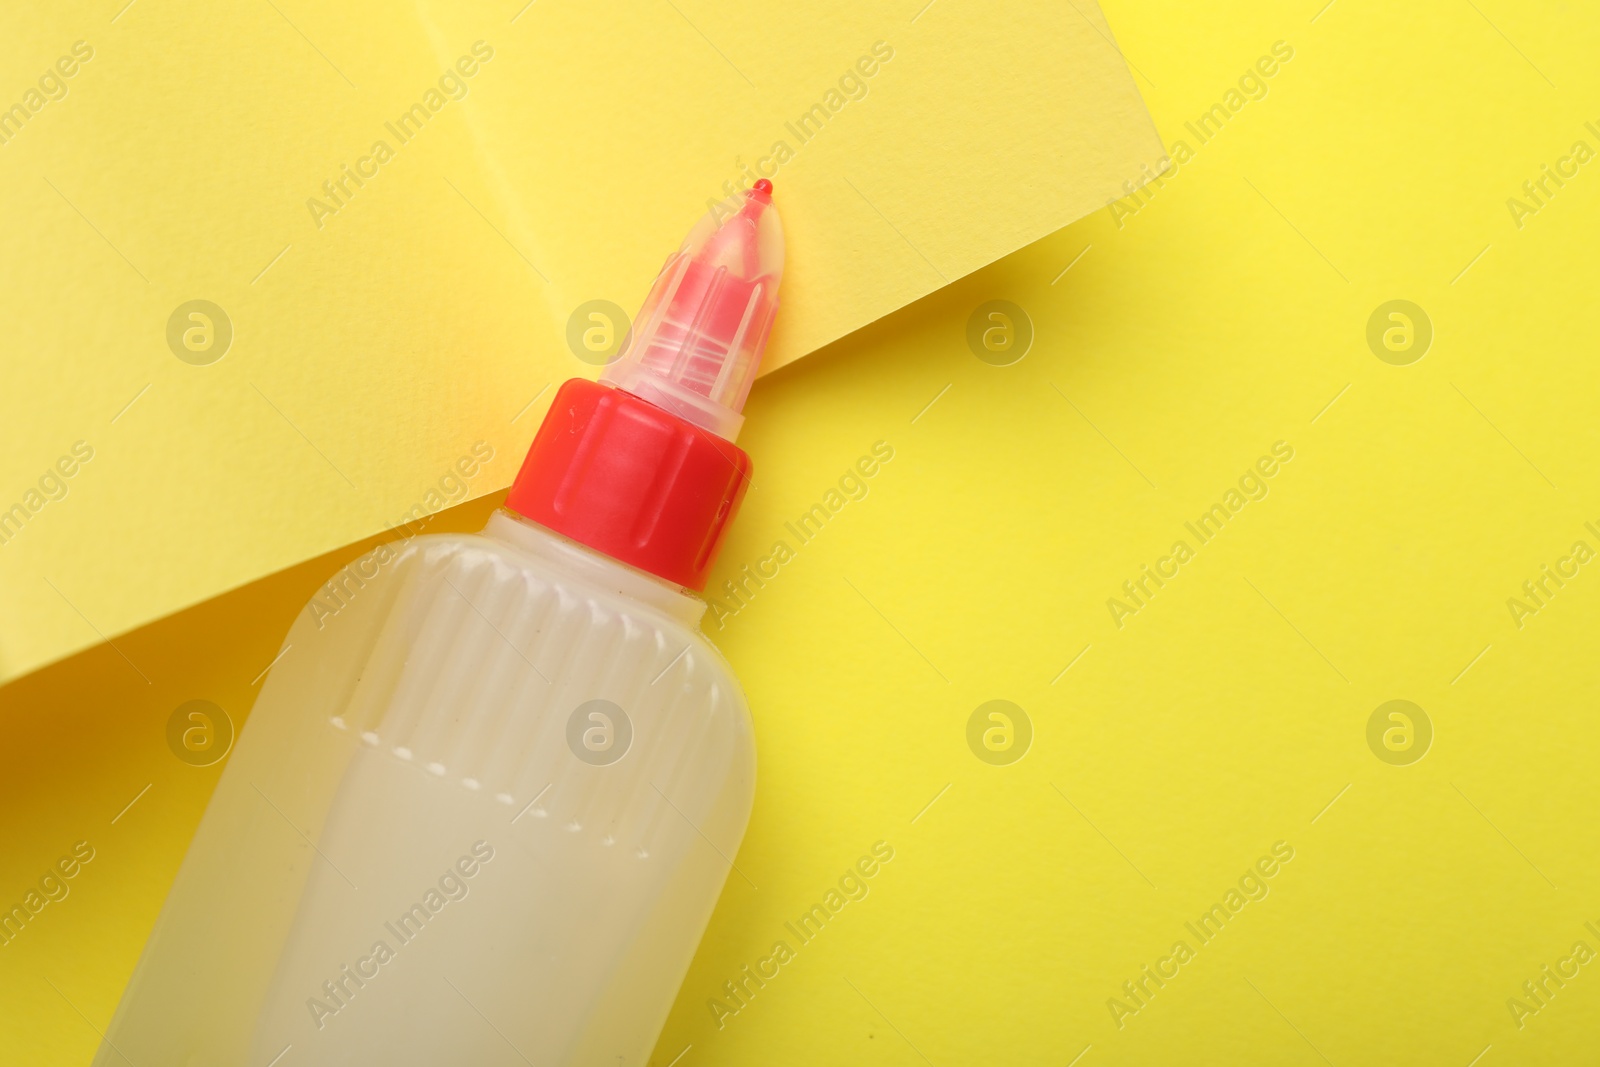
x,y
281,273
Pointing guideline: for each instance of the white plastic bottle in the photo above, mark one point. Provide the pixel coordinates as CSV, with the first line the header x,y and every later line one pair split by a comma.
x,y
488,797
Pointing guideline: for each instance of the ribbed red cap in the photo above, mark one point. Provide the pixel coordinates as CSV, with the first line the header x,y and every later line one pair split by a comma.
x,y
632,480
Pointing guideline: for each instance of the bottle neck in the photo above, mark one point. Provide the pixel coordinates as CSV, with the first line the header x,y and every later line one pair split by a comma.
x,y
597,568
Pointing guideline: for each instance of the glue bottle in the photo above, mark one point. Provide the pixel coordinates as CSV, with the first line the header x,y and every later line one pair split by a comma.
x,y
483,812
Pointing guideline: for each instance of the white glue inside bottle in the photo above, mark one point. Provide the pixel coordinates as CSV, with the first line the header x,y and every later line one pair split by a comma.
x,y
493,787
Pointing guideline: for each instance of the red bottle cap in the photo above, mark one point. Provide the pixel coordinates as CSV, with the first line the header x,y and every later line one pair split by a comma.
x,y
631,480
642,465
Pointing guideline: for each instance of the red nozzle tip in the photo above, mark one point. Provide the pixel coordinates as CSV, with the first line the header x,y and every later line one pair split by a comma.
x,y
762,189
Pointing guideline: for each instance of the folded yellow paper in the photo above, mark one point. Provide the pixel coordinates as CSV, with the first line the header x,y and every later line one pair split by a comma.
x,y
276,281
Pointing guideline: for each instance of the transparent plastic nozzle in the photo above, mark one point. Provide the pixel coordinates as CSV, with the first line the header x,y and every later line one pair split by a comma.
x,y
698,339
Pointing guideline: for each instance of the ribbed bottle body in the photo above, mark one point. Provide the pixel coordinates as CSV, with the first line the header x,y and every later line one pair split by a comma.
x,y
481,814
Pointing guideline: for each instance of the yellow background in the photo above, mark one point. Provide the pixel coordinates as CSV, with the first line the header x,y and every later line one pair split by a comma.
x,y
1225,716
